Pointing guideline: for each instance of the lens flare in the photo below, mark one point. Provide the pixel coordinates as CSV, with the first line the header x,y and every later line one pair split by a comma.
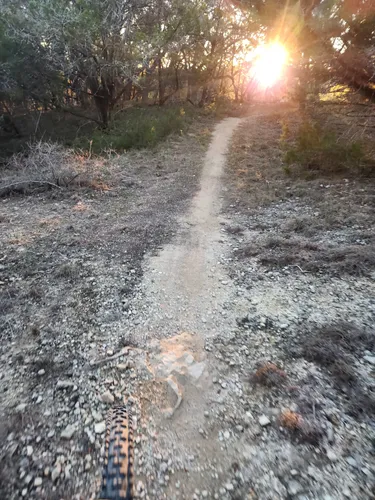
x,y
269,64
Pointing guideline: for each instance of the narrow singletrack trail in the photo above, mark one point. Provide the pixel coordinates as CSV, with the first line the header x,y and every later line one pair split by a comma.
x,y
185,272
186,289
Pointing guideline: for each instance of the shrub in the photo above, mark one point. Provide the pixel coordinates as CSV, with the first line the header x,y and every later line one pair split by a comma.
x,y
136,128
319,151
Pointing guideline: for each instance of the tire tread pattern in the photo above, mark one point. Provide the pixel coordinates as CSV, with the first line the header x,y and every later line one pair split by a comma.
x,y
118,474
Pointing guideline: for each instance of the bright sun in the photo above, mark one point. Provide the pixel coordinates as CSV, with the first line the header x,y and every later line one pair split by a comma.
x,y
269,63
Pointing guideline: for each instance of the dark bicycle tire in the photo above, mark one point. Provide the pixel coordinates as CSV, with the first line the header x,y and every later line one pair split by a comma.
x,y
118,474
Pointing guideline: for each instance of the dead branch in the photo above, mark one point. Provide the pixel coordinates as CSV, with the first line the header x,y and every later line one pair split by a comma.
x,y
78,114
22,185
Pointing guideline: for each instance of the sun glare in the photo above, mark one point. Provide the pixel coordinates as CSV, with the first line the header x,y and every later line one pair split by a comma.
x,y
269,63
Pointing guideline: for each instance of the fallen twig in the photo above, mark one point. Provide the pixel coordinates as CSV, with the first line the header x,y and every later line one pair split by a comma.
x,y
99,362
302,271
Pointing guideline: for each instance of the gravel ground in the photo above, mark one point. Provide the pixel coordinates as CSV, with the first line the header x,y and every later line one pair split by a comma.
x,y
301,258
218,333
70,263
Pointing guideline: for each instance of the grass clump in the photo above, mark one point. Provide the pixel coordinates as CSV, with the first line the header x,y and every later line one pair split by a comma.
x,y
290,420
303,430
269,375
329,259
136,128
317,151
336,348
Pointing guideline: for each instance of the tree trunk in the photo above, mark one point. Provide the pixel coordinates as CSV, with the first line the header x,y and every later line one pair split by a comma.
x,y
161,85
102,105
204,96
8,123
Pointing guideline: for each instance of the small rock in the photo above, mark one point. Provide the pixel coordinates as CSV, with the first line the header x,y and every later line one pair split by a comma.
x,y
21,407
264,420
352,461
38,482
107,397
29,451
100,427
64,384
294,487
330,433
369,359
96,416
41,372
122,367
28,479
56,473
311,471
67,471
229,487
332,455
68,432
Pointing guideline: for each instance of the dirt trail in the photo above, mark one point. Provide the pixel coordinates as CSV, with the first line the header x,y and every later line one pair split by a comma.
x,y
183,276
185,288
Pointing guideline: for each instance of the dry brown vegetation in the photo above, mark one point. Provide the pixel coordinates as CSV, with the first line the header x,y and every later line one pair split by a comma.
x,y
269,375
301,429
45,166
311,230
337,347
290,420
330,227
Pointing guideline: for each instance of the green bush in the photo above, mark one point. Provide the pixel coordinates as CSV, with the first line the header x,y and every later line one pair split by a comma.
x,y
319,151
136,128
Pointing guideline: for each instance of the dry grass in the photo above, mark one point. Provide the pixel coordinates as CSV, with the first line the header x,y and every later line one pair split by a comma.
x,y
336,347
46,166
269,375
256,162
67,271
290,420
301,429
325,343
322,258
